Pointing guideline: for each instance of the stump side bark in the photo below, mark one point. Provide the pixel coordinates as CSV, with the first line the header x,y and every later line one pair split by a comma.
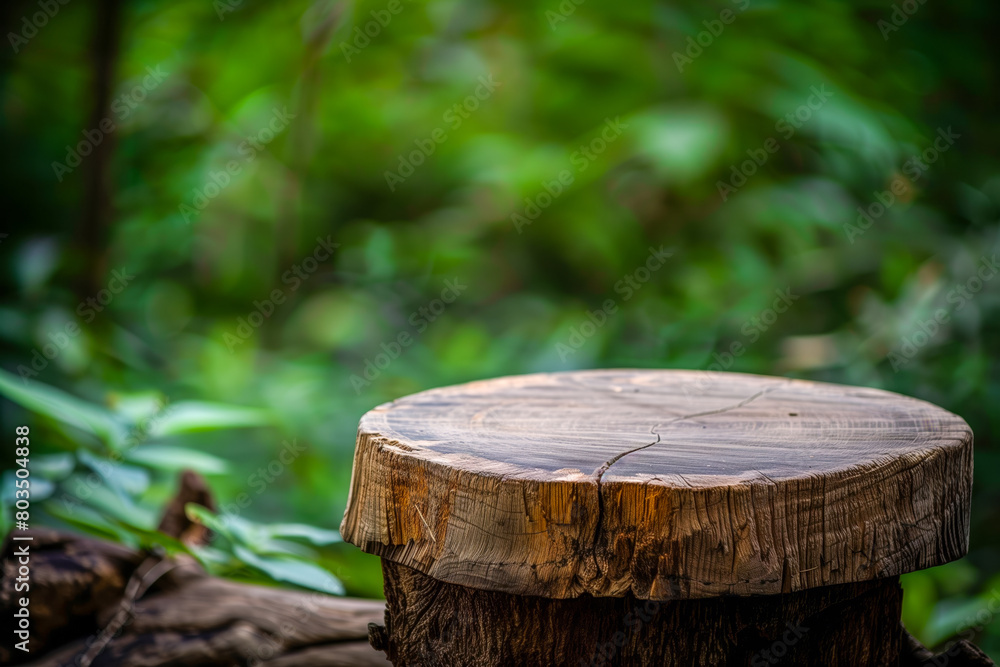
x,y
432,623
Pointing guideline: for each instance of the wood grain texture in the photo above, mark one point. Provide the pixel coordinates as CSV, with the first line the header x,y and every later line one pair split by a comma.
x,y
659,484
435,624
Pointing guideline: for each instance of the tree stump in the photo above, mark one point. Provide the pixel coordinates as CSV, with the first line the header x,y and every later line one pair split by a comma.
x,y
654,517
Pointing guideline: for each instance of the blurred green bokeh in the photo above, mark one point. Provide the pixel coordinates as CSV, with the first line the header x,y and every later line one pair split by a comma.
x,y
489,174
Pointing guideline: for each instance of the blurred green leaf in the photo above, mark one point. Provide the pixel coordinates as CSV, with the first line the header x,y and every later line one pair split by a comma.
x,y
317,536
950,617
60,406
195,416
52,466
300,573
91,521
206,518
40,487
107,495
126,480
919,599
171,458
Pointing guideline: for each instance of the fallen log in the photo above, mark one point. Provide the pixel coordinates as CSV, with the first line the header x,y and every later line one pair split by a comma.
x,y
98,604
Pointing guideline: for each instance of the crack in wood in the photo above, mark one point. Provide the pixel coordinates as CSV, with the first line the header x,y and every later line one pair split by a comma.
x,y
429,531
599,473
610,462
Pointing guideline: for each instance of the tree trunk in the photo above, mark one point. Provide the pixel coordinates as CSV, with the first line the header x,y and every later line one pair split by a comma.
x,y
434,624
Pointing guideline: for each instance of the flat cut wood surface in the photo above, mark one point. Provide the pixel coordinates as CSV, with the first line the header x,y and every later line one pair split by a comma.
x,y
664,484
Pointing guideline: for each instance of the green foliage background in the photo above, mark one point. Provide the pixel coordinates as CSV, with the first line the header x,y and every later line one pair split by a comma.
x,y
167,339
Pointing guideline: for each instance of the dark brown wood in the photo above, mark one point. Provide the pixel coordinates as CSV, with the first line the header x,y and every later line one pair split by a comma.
x,y
431,623
97,604
961,653
175,522
186,618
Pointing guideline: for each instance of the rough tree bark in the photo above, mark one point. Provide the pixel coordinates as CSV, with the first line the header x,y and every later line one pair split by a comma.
x,y
80,588
430,623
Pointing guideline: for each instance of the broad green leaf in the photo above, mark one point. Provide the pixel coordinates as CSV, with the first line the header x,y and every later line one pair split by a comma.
x,y
952,616
214,560
172,459
298,572
137,407
205,517
124,479
39,487
109,500
194,416
52,466
90,521
268,546
234,528
148,538
259,538
63,407
312,534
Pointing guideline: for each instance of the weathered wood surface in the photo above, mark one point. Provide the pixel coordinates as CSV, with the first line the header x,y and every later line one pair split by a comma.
x,y
431,623
434,624
186,618
660,484
174,613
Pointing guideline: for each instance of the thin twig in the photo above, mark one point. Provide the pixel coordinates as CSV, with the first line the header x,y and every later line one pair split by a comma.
x,y
137,586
